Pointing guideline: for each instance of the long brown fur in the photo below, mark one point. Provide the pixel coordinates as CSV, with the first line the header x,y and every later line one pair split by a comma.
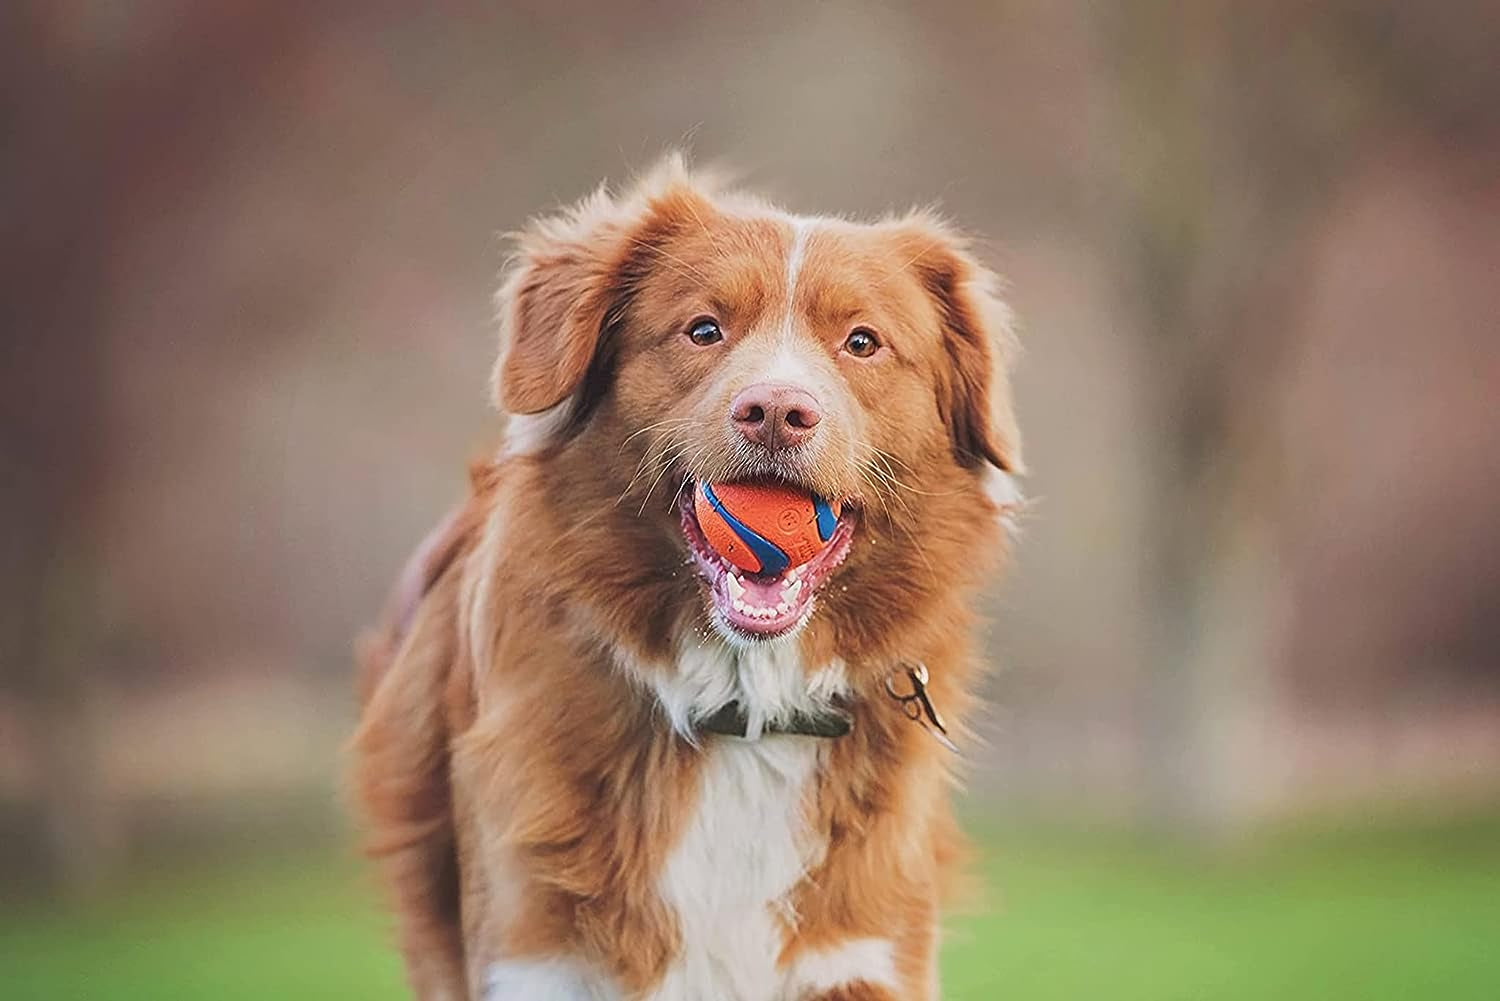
x,y
523,790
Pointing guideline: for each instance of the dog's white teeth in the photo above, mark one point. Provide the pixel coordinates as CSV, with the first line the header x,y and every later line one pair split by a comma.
x,y
790,592
738,602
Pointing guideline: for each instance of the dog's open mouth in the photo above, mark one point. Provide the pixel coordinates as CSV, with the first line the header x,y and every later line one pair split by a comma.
x,y
763,606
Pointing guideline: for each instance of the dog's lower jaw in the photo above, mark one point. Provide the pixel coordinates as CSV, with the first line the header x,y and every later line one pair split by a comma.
x,y
741,641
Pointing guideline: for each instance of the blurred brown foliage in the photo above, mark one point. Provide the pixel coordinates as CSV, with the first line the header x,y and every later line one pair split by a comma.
x,y
1254,246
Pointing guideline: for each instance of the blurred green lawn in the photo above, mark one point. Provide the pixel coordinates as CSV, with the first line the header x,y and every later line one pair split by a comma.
x,y
1401,913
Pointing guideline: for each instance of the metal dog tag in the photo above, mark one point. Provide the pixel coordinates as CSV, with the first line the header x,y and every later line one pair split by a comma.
x,y
918,707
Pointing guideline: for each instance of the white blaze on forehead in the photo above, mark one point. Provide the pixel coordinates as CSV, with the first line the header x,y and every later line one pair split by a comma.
x,y
801,229
788,362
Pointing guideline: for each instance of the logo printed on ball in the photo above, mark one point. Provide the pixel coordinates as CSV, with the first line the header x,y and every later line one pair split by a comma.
x,y
790,521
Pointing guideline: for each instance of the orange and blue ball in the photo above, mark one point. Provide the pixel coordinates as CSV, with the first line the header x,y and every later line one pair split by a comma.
x,y
764,528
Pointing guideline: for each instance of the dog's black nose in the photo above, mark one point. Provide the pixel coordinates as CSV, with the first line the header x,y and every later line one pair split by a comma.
x,y
775,415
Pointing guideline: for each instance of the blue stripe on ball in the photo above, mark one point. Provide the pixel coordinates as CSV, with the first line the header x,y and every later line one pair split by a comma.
x,y
827,522
772,559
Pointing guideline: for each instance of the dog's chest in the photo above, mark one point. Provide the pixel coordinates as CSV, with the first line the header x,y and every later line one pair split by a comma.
x,y
745,845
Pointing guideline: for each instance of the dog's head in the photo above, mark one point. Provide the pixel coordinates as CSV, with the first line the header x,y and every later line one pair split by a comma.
x,y
682,332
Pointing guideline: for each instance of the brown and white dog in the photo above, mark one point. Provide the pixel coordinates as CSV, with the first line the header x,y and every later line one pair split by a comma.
x,y
597,762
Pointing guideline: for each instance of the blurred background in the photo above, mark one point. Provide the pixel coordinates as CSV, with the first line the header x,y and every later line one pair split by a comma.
x,y
1245,724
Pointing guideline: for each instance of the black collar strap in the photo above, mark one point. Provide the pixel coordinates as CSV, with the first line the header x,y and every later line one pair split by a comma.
x,y
731,721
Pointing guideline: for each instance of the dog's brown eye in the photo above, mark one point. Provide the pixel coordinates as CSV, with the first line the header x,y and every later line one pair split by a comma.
x,y
705,332
861,343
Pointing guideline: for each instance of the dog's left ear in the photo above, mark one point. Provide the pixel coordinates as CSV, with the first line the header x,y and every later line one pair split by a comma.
x,y
974,387
572,280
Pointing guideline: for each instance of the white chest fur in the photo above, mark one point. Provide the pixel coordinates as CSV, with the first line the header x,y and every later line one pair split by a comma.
x,y
747,841
745,846
768,680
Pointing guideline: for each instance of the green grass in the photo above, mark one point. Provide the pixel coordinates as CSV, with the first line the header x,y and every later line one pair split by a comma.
x,y
1357,916
1353,916
275,930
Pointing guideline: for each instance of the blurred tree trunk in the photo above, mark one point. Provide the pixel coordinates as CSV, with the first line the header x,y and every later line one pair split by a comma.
x,y
1161,222
52,397
1206,225
102,106
1238,122
93,128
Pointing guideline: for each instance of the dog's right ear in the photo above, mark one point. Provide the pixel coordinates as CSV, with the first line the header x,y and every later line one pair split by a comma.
x,y
555,302
572,280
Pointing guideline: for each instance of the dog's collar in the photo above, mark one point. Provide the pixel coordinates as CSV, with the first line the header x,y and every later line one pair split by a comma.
x,y
731,720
